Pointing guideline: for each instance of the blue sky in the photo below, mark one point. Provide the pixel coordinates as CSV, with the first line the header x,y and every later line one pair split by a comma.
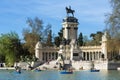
x,y
90,13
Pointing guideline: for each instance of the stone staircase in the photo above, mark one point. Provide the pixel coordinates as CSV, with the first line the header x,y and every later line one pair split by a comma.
x,y
49,65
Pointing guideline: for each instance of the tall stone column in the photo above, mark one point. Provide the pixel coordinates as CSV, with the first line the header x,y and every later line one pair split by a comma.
x,y
99,55
66,33
92,56
89,56
104,45
95,56
86,56
82,55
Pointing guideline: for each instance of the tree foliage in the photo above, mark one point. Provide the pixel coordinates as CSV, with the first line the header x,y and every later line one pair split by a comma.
x,y
86,41
10,47
80,39
96,38
49,39
34,33
113,25
58,39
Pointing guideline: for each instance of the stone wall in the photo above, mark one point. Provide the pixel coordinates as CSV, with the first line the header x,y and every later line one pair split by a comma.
x,y
113,65
88,65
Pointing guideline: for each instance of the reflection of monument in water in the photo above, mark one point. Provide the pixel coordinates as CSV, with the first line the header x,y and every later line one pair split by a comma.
x,y
71,52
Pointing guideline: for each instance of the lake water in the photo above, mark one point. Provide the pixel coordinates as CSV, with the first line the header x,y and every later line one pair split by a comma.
x,y
55,75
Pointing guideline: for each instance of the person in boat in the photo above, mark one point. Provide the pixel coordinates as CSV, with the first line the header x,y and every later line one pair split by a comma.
x,y
61,67
18,69
37,69
70,70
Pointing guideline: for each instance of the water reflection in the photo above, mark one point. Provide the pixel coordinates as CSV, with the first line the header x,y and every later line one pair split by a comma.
x,y
66,77
55,75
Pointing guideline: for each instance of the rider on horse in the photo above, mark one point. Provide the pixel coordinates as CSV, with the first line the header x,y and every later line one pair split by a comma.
x,y
69,10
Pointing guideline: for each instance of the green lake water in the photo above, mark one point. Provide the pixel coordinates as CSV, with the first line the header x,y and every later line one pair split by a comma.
x,y
55,75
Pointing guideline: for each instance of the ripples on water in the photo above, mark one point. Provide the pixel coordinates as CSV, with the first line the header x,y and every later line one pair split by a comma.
x,y
55,75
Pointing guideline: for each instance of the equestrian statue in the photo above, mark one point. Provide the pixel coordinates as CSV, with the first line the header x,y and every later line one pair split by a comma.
x,y
69,10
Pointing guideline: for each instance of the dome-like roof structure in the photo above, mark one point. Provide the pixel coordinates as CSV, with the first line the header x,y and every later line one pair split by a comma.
x,y
38,45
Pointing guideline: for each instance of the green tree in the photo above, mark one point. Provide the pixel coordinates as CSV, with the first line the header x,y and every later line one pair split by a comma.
x,y
80,39
10,47
86,41
58,39
96,38
113,26
34,33
49,39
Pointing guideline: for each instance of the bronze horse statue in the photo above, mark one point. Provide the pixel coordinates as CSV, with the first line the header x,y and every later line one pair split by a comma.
x,y
69,10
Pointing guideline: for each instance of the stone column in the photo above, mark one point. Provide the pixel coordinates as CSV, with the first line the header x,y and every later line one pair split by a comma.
x,y
75,32
100,55
86,56
66,32
89,56
82,55
104,45
92,56
95,55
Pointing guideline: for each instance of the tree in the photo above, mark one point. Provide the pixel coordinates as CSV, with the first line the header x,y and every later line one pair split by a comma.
x,y
86,41
58,39
80,39
10,47
96,38
113,26
34,33
49,39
